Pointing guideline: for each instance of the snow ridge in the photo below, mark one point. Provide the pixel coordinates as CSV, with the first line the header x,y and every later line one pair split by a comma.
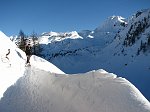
x,y
96,91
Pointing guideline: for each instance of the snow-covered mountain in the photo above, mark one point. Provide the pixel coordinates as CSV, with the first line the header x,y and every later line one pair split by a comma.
x,y
112,24
51,37
63,49
42,87
129,53
118,45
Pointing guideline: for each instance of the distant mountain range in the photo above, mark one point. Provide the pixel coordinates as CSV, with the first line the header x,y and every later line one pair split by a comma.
x,y
80,47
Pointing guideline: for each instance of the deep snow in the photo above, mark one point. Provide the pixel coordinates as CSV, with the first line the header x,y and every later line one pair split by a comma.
x,y
95,91
42,87
10,70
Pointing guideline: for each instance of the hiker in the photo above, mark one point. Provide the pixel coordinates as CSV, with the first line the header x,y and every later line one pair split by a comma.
x,y
8,54
28,53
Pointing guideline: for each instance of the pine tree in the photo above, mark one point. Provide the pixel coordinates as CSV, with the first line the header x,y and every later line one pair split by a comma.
x,y
148,42
35,43
141,46
22,40
144,47
138,52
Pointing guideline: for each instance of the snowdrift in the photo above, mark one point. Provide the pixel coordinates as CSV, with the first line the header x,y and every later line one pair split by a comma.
x,y
96,91
42,64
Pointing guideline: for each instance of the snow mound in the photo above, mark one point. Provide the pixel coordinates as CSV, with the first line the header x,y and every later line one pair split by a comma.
x,y
95,91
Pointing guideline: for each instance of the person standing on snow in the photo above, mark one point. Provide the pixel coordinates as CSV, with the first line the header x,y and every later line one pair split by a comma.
x,y
28,53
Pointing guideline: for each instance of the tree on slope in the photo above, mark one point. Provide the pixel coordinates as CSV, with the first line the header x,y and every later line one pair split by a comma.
x,y
22,42
35,43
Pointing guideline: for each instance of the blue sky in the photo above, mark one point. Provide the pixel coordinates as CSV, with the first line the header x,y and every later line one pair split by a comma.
x,y
62,15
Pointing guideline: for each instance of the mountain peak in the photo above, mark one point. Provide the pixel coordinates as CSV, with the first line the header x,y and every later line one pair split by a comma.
x,y
117,18
112,24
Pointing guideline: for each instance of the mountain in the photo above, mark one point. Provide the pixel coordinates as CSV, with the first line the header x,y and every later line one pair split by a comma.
x,y
63,49
129,53
118,45
51,37
42,87
112,24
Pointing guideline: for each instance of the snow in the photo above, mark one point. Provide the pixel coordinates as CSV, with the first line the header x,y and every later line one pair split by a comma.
x,y
42,87
50,37
95,91
10,70
128,64
90,36
42,64
103,48
112,24
74,50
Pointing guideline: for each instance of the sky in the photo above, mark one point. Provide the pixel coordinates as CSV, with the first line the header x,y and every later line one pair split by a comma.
x,y
62,15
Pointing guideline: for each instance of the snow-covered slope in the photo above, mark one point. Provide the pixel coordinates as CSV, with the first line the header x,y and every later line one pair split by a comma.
x,y
112,24
129,53
68,50
96,91
12,69
42,64
42,87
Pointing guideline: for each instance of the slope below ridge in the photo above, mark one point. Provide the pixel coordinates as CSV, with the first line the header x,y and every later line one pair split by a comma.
x,y
42,64
95,91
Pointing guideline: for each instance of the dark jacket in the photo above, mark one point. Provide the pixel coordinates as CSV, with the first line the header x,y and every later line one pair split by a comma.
x,y
28,50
